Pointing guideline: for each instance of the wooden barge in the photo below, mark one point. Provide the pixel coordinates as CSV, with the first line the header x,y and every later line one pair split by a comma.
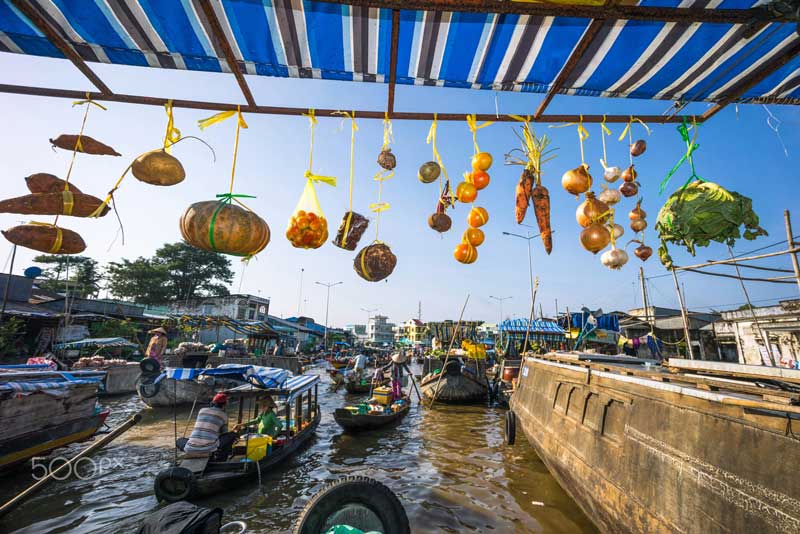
x,y
644,448
458,383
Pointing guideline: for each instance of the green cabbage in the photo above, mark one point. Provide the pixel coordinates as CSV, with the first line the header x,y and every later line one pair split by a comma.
x,y
704,212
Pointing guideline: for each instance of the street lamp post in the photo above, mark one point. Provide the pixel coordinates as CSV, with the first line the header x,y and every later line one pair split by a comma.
x,y
527,237
500,300
327,307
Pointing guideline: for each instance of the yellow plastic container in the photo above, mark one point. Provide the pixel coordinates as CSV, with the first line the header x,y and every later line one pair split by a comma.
x,y
257,446
382,395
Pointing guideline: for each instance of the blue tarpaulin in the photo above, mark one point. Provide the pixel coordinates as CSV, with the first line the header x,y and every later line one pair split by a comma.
x,y
265,377
509,52
95,342
536,326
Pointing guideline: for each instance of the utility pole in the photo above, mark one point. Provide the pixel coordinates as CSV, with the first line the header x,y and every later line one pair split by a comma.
x,y
645,301
500,300
419,311
685,316
327,306
790,238
8,283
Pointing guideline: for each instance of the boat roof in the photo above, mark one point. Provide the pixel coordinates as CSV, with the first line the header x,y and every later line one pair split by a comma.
x,y
19,380
95,342
288,391
537,325
259,376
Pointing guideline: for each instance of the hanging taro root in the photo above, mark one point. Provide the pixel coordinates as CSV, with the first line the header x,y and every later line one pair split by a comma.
x,y
533,155
221,226
592,209
429,172
441,221
350,232
46,238
47,183
60,203
87,145
375,262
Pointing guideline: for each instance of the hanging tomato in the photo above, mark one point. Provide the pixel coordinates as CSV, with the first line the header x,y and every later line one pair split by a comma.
x,y
466,192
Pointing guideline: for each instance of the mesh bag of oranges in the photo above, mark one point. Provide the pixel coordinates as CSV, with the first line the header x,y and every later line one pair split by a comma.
x,y
308,227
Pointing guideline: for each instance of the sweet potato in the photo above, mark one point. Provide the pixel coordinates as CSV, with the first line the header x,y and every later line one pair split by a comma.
x,y
52,204
541,207
47,183
89,145
521,203
42,238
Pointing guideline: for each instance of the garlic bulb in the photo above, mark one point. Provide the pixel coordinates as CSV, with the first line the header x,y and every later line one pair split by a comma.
x,y
618,231
609,196
614,258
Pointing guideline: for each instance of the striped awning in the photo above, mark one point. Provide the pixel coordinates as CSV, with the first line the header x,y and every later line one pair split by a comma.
x,y
646,59
536,326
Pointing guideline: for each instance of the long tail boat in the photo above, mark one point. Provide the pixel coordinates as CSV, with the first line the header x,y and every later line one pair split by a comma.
x,y
43,410
195,478
696,447
457,383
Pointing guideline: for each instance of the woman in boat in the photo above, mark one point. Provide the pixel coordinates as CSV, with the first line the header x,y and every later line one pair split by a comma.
x,y
265,423
398,367
157,345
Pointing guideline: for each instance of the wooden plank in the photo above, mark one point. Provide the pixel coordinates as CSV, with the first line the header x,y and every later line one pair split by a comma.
x,y
737,369
332,113
59,42
393,60
552,9
233,64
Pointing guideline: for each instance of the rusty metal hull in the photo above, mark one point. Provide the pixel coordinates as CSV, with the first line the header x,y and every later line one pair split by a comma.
x,y
654,454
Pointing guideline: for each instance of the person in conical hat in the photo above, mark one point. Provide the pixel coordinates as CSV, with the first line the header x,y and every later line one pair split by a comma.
x,y
158,344
398,367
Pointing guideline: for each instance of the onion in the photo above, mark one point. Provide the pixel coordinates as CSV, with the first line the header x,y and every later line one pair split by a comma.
x,y
614,258
577,180
638,225
595,237
638,148
618,231
629,174
609,196
629,189
590,210
637,212
643,252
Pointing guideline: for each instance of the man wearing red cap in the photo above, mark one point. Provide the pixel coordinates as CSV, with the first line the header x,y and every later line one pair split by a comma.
x,y
210,430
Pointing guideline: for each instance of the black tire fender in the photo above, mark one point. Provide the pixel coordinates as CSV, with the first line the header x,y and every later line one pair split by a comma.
x,y
149,366
353,490
148,387
511,427
167,482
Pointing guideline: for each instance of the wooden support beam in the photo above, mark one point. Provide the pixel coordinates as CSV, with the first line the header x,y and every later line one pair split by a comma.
x,y
393,60
577,53
54,36
754,79
274,110
552,9
230,59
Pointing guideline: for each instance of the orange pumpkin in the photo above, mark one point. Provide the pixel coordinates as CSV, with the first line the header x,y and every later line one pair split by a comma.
x,y
473,236
225,228
466,192
465,253
477,217
482,161
479,179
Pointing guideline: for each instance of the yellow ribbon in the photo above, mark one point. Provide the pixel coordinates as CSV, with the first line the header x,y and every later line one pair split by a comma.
x,y
330,180
59,236
627,129
68,199
380,206
78,145
431,140
583,134
388,136
353,130
364,269
604,131
472,122
172,135
240,123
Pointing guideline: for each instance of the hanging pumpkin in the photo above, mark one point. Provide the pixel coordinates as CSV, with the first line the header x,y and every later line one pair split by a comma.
x,y
375,262
465,253
224,227
478,178
46,238
158,167
482,161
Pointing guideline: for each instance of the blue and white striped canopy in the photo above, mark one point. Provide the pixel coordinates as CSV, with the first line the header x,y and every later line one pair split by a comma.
x,y
537,326
309,39
264,377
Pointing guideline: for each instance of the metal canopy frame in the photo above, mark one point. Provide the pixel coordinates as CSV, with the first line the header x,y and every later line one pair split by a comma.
x,y
754,18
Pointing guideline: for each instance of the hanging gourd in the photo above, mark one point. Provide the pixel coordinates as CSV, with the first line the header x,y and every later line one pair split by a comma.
x,y
225,225
353,224
308,227
376,261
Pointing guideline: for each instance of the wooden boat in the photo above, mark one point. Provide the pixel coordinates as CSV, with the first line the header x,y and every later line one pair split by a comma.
x,y
195,478
359,387
169,392
355,422
643,449
121,379
457,383
42,411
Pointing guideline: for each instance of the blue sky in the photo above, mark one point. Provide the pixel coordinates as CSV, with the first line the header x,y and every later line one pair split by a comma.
x,y
737,150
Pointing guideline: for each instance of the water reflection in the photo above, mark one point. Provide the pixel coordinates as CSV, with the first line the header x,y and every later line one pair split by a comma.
x,y
448,465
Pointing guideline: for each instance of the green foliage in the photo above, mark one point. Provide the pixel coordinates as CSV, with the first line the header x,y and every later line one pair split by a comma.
x,y
80,274
703,212
11,331
115,328
177,271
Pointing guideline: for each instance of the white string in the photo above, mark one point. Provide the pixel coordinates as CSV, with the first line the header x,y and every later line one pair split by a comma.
x,y
496,107
775,124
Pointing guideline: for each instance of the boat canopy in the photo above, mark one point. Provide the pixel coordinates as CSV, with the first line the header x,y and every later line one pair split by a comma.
x,y
537,326
264,377
519,48
251,328
29,382
288,391
95,342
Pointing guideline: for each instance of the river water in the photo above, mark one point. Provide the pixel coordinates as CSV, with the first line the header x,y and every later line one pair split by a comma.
x,y
448,465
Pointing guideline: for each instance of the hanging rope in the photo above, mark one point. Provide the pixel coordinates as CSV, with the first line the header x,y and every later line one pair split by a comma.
x,y
472,122
443,178
583,134
381,176
691,146
604,131
353,130
330,180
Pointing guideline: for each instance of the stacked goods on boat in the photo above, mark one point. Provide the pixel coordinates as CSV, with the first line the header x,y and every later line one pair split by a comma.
x,y
121,376
638,446
43,410
378,411
161,390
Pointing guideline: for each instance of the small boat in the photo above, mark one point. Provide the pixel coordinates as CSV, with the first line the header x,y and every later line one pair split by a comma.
x,y
358,387
43,410
457,383
172,388
194,478
350,419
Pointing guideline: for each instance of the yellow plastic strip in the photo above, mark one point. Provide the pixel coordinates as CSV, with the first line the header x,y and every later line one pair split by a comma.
x,y
59,240
172,135
364,269
353,130
604,131
627,129
431,140
69,201
240,123
583,134
472,122
388,136
330,180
